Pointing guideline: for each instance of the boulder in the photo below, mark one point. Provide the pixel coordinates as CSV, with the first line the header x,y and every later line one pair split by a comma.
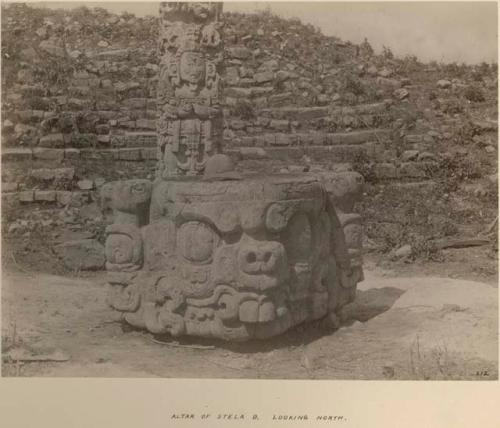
x,y
401,94
265,76
239,52
402,252
52,49
443,84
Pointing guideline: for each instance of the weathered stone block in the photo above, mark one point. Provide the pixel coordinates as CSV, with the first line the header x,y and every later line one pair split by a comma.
x,y
52,49
238,124
385,171
45,195
136,103
312,139
71,153
130,154
357,137
53,174
48,154
285,139
9,187
112,54
236,92
145,124
52,140
393,83
266,76
413,139
281,99
63,197
239,52
232,76
85,184
409,155
270,65
104,139
27,196
261,90
253,153
149,153
280,125
16,154
9,198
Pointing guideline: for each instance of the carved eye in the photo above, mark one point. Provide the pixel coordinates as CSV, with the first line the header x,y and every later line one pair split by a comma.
x,y
197,242
297,239
138,188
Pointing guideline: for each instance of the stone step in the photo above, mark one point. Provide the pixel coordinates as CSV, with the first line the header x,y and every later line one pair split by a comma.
x,y
321,154
406,170
428,185
142,145
135,139
309,113
16,154
60,197
313,138
128,154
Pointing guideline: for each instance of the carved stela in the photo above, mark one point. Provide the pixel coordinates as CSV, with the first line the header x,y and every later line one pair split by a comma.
x,y
190,49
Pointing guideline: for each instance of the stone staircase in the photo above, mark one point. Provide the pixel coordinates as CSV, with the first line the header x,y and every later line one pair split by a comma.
x,y
295,100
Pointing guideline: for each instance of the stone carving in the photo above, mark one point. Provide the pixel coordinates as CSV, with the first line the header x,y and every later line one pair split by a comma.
x,y
223,256
345,189
233,259
189,100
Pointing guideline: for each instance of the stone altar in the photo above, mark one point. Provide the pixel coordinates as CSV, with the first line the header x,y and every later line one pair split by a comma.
x,y
203,251
231,259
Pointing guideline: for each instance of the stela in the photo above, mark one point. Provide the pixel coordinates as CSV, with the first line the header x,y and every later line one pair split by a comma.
x,y
182,416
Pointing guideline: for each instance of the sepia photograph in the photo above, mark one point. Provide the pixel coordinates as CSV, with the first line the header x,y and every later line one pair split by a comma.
x,y
250,190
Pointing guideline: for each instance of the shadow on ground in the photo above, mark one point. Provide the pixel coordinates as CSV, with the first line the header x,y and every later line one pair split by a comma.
x,y
368,304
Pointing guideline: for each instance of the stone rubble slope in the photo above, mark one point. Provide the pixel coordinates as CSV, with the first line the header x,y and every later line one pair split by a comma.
x,y
79,109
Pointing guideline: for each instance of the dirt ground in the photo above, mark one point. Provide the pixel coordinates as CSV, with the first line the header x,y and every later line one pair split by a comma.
x,y
406,323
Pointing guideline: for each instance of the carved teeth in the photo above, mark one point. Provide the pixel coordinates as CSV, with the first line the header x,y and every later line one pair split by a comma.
x,y
267,311
282,311
252,311
249,311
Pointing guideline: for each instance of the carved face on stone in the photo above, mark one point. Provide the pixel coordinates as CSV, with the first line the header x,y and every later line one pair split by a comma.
x,y
192,67
249,259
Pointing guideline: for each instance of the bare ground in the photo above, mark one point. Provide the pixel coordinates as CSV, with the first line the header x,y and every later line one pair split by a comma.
x,y
400,327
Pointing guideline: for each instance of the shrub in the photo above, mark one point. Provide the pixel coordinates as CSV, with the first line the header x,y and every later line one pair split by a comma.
x,y
474,94
353,85
387,53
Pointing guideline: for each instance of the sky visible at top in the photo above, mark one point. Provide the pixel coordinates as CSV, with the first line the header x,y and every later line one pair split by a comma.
x,y
440,31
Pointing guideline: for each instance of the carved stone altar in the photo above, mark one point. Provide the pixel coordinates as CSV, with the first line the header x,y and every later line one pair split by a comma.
x,y
221,255
230,259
